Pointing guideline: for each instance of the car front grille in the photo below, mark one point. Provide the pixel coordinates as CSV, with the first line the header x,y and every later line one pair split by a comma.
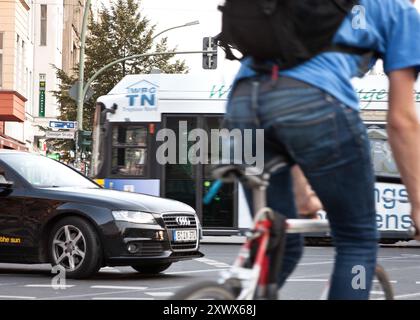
x,y
170,221
189,222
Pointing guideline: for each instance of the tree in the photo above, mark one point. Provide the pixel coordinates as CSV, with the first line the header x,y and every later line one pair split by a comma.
x,y
120,31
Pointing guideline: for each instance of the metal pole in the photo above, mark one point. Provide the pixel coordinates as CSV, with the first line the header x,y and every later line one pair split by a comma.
x,y
181,26
82,66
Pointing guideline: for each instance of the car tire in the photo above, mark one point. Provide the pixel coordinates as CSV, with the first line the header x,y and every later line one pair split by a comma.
x,y
152,268
74,245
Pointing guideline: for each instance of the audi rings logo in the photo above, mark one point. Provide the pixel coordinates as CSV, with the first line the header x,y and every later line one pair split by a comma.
x,y
183,221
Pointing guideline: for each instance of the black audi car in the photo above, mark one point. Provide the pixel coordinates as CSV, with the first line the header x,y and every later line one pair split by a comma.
x,y
50,213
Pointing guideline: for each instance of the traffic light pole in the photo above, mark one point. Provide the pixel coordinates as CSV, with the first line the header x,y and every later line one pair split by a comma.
x,y
81,96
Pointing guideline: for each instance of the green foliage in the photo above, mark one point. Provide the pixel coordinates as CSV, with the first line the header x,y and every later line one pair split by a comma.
x,y
120,31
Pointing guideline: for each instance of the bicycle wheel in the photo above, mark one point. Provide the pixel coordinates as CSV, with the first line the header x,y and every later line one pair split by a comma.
x,y
381,288
208,290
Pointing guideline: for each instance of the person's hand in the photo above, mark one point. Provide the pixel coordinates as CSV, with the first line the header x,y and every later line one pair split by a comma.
x,y
415,216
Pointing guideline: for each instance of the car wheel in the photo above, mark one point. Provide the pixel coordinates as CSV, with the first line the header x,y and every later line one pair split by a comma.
x,y
152,268
74,245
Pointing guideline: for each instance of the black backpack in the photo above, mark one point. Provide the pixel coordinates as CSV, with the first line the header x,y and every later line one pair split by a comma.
x,y
287,32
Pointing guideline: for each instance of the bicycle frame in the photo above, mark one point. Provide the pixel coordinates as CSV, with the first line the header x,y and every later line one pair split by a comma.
x,y
255,281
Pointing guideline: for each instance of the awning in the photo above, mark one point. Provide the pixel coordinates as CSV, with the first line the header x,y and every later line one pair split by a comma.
x,y
10,143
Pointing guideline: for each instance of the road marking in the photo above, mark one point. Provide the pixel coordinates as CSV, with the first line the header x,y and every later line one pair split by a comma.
x,y
410,295
390,281
62,286
166,288
411,255
195,271
307,280
221,265
377,292
324,280
159,294
401,258
110,269
315,263
119,287
104,293
213,263
17,297
121,298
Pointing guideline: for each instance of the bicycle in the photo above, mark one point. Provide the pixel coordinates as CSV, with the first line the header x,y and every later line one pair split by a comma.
x,y
254,273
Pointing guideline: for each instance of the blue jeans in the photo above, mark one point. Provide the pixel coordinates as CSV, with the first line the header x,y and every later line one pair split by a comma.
x,y
329,142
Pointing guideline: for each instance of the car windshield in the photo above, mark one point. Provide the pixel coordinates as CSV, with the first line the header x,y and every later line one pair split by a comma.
x,y
43,172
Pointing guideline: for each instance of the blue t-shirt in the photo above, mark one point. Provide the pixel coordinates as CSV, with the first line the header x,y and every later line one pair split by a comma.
x,y
392,29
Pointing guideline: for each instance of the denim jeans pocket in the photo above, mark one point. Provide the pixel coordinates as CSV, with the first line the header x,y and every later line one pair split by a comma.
x,y
312,143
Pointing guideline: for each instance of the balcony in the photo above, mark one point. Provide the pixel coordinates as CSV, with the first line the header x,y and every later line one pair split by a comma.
x,y
12,106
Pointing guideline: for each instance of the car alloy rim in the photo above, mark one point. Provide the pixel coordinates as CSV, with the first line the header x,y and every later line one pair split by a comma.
x,y
69,247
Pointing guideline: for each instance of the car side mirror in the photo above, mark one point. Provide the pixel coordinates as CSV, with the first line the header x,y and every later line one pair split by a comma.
x,y
6,187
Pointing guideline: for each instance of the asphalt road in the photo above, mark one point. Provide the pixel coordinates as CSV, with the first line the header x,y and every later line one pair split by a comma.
x,y
123,283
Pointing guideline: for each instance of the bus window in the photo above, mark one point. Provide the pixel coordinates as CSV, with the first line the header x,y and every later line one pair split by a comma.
x,y
129,150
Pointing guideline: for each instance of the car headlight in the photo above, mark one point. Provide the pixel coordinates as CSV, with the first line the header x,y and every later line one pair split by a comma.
x,y
134,216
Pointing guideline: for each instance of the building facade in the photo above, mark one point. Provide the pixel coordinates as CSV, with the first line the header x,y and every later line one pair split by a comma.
x,y
48,55
16,72
73,17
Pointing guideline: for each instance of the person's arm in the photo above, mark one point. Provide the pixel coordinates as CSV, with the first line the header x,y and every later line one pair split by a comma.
x,y
404,136
307,202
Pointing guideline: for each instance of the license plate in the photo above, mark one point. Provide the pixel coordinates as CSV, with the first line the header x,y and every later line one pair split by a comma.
x,y
185,235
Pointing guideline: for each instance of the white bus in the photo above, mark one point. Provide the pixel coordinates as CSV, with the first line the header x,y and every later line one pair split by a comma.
x,y
128,119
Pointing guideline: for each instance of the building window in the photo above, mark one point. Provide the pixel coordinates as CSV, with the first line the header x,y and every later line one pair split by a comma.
x,y
1,60
43,25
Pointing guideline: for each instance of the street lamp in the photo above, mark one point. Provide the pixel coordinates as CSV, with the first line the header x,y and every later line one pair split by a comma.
x,y
188,24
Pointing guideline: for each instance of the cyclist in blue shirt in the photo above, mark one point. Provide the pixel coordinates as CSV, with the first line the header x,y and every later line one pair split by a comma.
x,y
312,111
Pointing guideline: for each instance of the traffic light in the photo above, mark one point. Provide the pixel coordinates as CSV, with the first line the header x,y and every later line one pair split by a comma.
x,y
85,140
209,59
